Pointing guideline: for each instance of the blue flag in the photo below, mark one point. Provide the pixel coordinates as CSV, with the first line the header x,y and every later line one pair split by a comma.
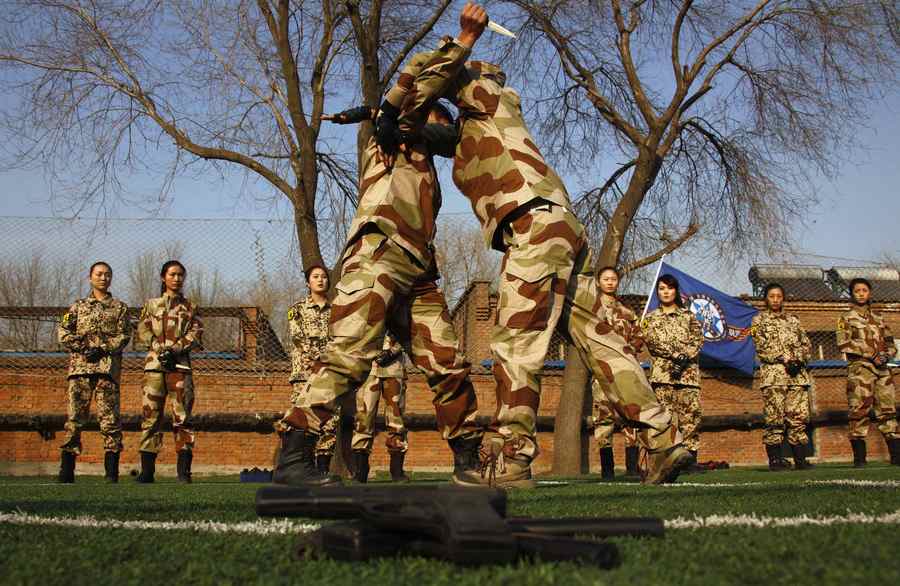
x,y
725,321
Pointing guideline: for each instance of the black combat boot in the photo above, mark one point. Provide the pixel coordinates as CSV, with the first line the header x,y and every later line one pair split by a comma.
x,y
894,450
323,463
776,462
297,462
632,457
695,467
859,452
148,468
397,473
67,467
607,464
799,452
111,466
360,466
467,462
185,458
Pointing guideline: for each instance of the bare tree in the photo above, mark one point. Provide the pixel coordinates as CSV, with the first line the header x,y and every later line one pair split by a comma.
x,y
106,87
462,258
35,281
717,111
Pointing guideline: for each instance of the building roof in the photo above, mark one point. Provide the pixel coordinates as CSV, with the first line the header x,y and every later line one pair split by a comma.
x,y
799,281
885,281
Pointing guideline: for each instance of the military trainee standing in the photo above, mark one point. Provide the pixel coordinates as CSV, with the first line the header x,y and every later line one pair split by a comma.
x,y
783,348
169,327
624,322
868,343
386,381
546,276
94,330
308,324
674,338
388,281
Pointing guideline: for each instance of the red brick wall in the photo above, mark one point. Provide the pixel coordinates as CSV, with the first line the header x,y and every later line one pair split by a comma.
x,y
27,452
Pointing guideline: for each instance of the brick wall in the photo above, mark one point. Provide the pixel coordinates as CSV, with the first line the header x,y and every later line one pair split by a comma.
x,y
25,452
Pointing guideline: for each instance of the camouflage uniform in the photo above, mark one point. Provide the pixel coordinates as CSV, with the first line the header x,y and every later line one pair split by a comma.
x,y
624,322
779,338
168,322
388,382
862,333
546,278
308,324
388,276
94,323
667,336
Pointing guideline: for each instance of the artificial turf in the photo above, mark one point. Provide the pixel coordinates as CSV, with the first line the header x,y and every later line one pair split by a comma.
x,y
838,554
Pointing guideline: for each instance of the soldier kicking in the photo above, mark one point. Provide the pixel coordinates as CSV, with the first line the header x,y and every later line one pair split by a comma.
x,y
546,279
387,281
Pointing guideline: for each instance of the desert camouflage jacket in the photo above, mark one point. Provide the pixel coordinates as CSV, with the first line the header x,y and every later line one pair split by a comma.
x,y
862,333
497,166
169,322
624,322
95,323
308,324
403,201
779,336
667,335
393,369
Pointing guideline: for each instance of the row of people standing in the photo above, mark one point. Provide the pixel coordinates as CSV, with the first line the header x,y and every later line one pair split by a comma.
x,y
386,385
673,338
95,330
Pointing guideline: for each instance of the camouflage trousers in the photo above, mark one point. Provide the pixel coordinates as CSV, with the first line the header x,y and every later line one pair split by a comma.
x,y
603,416
382,287
327,441
870,387
157,385
786,409
684,405
81,390
546,283
393,391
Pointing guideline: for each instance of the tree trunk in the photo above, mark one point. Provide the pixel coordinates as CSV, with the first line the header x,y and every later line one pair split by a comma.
x,y
570,448
576,377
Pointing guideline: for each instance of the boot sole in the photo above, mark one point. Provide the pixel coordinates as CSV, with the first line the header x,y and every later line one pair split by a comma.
x,y
669,473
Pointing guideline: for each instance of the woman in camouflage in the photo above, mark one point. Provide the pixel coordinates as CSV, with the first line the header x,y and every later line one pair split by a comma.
x,y
169,327
624,322
94,331
674,338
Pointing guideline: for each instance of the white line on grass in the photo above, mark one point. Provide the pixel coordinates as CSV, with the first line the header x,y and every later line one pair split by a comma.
x,y
858,483
760,522
259,527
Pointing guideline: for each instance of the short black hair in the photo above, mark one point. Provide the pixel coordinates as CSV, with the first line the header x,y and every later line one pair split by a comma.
x,y
97,264
609,268
308,270
771,286
857,281
165,268
672,282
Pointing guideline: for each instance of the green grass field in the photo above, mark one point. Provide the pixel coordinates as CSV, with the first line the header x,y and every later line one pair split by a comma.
x,y
850,552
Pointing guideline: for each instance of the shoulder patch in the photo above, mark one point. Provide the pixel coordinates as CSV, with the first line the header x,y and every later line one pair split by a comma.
x,y
66,319
292,313
841,325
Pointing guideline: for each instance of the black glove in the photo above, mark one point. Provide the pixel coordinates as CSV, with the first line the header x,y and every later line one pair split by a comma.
x,y
679,364
387,131
386,357
794,367
353,115
167,359
93,354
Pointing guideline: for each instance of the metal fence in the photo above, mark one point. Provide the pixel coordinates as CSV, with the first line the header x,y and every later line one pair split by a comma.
x,y
242,274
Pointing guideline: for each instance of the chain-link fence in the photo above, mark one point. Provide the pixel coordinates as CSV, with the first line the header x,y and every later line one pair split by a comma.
x,y
242,274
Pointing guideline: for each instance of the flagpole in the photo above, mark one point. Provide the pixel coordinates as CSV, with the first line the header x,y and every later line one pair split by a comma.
x,y
650,294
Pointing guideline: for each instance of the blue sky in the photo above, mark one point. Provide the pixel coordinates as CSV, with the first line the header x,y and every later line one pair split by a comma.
x,y
856,221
